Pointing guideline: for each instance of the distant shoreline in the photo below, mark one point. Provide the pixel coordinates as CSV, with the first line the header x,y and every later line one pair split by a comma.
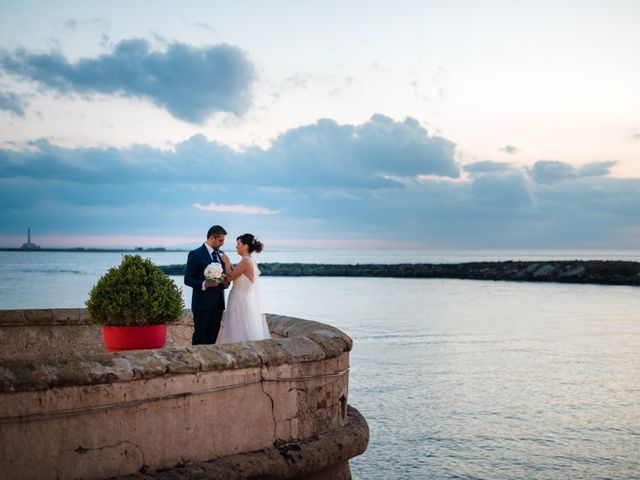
x,y
602,272
93,250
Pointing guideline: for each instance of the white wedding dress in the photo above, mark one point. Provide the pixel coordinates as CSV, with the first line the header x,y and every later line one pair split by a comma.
x,y
243,319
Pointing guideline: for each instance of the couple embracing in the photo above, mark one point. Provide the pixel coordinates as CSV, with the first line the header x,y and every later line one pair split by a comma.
x,y
243,318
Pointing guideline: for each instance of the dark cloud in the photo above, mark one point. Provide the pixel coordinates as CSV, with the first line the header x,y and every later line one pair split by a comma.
x,y
596,169
13,103
326,180
596,198
499,189
322,154
190,83
510,149
551,171
370,154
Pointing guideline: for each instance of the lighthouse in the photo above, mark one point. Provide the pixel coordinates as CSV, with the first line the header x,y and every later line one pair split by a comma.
x,y
29,245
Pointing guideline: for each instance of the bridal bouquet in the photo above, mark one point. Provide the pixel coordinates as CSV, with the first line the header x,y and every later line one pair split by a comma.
x,y
214,272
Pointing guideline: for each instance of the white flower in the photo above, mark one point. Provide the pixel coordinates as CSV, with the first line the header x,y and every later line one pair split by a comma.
x,y
214,272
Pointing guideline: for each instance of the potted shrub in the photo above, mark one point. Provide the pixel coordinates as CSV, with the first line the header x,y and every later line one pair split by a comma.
x,y
134,302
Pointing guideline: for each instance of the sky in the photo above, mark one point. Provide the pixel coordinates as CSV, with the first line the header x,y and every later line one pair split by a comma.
x,y
360,124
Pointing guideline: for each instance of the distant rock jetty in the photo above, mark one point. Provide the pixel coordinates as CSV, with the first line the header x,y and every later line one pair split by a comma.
x,y
602,272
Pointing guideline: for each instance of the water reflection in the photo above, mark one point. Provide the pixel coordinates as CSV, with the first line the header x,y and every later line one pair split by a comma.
x,y
463,379
457,379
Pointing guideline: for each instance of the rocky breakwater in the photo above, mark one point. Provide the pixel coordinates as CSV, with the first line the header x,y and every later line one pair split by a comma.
x,y
270,409
603,272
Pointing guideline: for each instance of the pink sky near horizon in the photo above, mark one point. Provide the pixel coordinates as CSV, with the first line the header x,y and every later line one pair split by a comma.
x,y
132,241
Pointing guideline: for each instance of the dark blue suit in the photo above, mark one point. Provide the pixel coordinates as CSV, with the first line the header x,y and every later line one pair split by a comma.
x,y
207,305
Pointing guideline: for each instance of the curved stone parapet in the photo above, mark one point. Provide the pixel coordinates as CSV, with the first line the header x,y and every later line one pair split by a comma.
x,y
97,415
327,455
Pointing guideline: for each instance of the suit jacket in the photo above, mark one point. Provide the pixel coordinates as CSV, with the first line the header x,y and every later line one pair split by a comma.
x,y
197,261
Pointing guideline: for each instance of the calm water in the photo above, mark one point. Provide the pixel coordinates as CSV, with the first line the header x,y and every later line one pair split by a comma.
x,y
457,379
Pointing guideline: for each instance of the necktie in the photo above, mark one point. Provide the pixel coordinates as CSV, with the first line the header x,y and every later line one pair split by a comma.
x,y
215,256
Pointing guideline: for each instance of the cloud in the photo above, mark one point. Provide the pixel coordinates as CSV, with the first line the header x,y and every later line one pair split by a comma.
x,y
498,189
296,81
510,149
551,171
320,181
11,102
190,83
204,26
324,154
486,166
596,169
237,208
73,24
366,155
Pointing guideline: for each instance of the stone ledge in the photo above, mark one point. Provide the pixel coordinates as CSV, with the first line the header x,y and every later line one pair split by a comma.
x,y
303,341
289,461
59,317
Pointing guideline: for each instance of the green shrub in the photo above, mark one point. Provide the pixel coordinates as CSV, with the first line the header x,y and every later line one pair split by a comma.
x,y
135,293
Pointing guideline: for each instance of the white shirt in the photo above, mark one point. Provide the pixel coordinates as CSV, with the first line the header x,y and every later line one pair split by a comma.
x,y
210,250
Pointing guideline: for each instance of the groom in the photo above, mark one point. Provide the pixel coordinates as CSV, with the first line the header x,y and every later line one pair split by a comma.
x,y
207,299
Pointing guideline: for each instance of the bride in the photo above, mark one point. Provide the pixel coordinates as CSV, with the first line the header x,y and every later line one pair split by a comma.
x,y
243,319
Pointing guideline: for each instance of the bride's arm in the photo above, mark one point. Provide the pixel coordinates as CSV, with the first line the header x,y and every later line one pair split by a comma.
x,y
241,268
228,269
227,263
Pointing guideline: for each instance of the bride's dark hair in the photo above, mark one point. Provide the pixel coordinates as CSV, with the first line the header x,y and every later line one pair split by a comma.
x,y
252,242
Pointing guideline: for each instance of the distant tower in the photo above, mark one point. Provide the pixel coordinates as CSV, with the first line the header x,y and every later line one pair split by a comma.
x,y
29,245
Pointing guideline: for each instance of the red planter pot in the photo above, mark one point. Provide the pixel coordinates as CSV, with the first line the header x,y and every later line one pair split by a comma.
x,y
117,339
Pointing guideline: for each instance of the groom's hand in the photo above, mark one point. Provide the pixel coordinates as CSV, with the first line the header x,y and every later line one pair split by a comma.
x,y
210,283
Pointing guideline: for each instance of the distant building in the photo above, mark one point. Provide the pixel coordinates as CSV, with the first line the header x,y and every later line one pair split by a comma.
x,y
29,245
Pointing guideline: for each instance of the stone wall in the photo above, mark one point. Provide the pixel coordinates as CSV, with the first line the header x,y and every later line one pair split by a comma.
x,y
79,413
66,332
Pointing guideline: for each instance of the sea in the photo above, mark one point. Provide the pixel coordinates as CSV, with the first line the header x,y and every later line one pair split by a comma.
x,y
458,379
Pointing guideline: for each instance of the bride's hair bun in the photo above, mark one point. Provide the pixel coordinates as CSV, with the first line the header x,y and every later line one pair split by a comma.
x,y
252,242
258,245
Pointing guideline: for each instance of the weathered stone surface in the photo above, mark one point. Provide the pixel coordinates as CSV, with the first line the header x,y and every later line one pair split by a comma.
x,y
591,271
67,316
39,317
11,317
63,338
60,316
314,459
295,327
27,366
332,345
103,414
276,352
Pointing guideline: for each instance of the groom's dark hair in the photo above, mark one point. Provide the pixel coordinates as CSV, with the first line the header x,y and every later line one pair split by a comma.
x,y
216,231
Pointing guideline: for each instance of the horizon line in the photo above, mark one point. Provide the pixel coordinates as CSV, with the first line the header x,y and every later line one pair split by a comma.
x,y
54,241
